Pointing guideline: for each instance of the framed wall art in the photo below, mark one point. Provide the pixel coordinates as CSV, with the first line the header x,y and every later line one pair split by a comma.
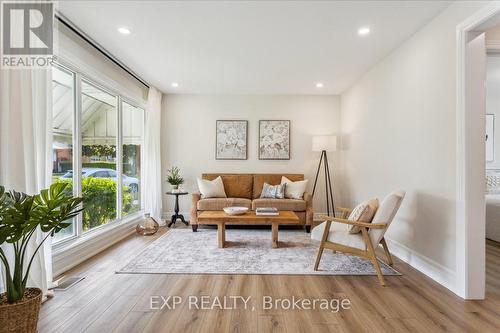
x,y
274,139
231,139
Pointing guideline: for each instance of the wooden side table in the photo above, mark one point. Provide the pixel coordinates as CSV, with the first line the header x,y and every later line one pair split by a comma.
x,y
177,215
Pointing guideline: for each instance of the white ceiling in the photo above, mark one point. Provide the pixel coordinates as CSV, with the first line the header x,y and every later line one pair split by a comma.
x,y
253,47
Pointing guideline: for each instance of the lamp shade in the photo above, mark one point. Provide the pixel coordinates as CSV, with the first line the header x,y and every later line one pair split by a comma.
x,y
324,142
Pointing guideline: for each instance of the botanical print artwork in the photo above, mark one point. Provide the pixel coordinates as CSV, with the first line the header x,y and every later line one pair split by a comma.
x,y
231,140
274,140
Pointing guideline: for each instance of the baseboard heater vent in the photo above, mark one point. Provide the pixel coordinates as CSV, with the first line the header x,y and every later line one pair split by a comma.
x,y
68,283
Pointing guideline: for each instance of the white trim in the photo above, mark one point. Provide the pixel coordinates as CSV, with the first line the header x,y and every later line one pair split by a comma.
x,y
70,254
493,46
439,273
464,276
77,146
119,158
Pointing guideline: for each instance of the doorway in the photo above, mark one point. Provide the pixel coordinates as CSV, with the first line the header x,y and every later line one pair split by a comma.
x,y
472,151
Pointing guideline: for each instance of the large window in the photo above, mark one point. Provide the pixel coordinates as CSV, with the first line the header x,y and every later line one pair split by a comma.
x,y
107,133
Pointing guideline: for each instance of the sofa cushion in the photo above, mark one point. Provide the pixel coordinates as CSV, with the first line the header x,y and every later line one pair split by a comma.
x,y
273,191
235,185
294,190
211,188
220,203
281,204
272,179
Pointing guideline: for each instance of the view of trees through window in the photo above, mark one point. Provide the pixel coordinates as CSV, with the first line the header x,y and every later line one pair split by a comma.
x,y
99,123
99,140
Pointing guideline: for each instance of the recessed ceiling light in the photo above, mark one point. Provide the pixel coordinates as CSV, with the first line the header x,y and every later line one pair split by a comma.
x,y
364,31
175,84
124,30
319,85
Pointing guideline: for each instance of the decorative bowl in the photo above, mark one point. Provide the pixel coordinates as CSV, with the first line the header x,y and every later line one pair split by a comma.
x,y
235,210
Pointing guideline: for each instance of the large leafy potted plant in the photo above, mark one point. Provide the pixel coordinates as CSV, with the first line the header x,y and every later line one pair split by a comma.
x,y
174,177
20,216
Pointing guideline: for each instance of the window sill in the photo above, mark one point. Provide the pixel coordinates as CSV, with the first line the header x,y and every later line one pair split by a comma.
x,y
71,252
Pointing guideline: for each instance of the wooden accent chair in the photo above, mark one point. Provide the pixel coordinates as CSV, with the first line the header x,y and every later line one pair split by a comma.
x,y
335,236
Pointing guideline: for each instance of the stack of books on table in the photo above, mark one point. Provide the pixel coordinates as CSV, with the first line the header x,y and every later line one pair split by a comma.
x,y
270,211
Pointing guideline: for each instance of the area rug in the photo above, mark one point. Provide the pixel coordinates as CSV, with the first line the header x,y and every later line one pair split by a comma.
x,y
247,251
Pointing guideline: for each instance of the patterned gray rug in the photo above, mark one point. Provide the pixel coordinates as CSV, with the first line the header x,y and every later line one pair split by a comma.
x,y
247,251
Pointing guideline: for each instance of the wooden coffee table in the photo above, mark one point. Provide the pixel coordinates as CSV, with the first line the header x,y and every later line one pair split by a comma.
x,y
249,218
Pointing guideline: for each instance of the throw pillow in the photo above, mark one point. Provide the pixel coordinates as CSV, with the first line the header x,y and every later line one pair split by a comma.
x,y
211,188
273,191
294,190
363,212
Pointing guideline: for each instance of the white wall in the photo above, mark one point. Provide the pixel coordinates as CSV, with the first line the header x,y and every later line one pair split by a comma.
x,y
399,131
188,135
493,103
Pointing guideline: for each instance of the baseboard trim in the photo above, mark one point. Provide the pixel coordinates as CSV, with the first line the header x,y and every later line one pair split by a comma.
x,y
439,273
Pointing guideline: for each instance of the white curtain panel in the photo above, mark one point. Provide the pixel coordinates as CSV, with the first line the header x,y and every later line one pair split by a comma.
x,y
25,150
151,189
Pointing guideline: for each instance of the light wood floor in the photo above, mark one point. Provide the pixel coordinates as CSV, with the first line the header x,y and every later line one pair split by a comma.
x,y
109,302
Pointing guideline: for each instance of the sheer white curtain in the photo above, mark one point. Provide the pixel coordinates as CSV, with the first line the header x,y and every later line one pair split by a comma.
x,y
26,149
151,190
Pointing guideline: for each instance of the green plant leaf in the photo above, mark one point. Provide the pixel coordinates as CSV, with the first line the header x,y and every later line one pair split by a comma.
x,y
20,216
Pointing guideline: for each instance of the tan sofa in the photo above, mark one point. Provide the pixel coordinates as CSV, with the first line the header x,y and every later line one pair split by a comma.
x,y
244,190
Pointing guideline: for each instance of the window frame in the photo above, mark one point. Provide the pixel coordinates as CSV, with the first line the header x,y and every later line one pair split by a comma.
x,y
121,97
73,140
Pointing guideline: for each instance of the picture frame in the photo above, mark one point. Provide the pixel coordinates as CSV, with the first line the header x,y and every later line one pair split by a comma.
x,y
231,140
274,140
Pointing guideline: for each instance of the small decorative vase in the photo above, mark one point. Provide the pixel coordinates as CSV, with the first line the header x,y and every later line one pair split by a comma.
x,y
175,187
148,227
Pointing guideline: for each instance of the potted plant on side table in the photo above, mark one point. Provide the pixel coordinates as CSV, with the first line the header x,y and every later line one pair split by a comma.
x,y
174,178
20,216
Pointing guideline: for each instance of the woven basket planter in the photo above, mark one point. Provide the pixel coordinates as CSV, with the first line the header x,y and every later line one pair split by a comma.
x,y
21,316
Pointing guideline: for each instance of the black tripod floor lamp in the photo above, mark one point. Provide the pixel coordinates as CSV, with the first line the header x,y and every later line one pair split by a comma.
x,y
324,144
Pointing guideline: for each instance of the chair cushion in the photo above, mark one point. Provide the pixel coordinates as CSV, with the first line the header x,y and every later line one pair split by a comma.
x,y
281,204
339,234
272,179
220,203
211,188
363,212
385,214
235,185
